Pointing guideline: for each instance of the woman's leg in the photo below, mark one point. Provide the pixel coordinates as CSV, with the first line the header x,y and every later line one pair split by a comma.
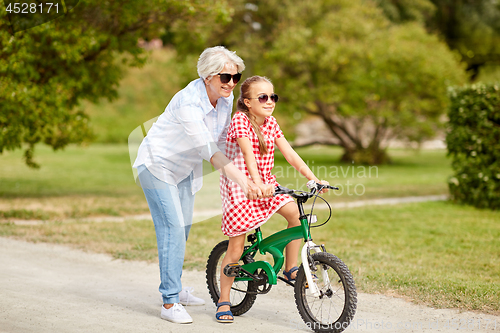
x,y
233,254
187,202
166,210
291,213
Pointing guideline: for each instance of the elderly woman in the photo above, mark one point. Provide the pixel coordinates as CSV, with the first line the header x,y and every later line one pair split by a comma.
x,y
193,127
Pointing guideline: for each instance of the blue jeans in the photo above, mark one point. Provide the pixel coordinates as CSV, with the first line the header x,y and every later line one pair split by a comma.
x,y
172,212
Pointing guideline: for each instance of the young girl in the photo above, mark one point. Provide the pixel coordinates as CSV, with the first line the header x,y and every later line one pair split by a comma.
x,y
250,145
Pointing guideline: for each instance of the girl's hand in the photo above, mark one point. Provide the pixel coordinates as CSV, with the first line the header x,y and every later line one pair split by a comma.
x,y
323,182
267,190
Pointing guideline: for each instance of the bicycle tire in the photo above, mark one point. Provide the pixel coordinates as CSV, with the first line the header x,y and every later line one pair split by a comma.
x,y
338,296
240,302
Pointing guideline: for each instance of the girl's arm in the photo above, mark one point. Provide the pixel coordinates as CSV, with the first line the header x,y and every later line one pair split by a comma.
x,y
295,160
228,169
253,169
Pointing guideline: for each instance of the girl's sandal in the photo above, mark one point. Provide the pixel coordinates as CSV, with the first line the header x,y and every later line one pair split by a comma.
x,y
293,269
218,315
289,273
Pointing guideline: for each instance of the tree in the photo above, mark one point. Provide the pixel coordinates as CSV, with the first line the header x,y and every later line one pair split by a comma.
x,y
403,11
470,27
46,70
370,80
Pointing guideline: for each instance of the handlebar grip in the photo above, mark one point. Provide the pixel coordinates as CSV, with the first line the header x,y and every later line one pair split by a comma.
x,y
282,190
312,184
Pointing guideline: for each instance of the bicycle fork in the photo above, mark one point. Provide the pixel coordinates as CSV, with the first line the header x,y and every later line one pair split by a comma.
x,y
307,264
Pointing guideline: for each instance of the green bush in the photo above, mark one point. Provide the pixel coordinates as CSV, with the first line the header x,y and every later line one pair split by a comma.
x,y
473,141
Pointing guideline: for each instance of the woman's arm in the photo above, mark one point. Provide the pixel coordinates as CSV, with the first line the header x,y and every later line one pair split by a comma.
x,y
228,169
253,169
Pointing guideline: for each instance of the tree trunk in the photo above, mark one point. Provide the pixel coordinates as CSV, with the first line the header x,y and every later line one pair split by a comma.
x,y
361,145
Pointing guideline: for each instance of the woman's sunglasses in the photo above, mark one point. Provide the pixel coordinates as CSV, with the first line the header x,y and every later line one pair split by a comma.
x,y
263,98
225,78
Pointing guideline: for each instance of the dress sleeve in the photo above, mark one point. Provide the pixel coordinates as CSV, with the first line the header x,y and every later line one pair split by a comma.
x,y
240,127
276,130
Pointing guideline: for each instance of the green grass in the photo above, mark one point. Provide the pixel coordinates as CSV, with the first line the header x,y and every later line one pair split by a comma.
x,y
132,240
438,253
435,253
98,180
412,173
76,182
24,214
95,170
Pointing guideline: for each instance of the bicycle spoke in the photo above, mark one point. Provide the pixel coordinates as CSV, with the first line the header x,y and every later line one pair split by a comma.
x,y
327,308
241,300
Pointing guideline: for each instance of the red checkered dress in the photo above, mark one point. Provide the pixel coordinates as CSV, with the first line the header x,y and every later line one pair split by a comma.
x,y
240,215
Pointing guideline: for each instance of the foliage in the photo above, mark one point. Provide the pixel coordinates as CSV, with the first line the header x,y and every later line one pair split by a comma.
x,y
471,28
370,80
407,10
45,71
143,94
474,143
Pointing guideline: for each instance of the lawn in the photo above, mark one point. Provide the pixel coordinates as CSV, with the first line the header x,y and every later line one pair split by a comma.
x,y
97,180
434,253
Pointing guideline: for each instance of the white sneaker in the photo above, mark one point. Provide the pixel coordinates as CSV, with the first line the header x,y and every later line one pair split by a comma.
x,y
186,298
176,314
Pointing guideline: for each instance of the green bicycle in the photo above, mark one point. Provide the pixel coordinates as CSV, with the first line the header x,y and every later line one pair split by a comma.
x,y
325,293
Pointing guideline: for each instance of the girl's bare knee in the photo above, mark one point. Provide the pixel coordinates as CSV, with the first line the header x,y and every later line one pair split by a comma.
x,y
294,223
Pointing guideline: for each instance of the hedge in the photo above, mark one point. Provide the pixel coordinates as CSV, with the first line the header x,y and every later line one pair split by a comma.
x,y
473,141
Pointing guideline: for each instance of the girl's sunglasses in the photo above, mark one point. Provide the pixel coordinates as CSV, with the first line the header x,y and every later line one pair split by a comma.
x,y
225,78
263,98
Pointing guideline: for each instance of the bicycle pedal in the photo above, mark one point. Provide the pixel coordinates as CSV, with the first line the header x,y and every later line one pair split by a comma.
x,y
232,270
315,279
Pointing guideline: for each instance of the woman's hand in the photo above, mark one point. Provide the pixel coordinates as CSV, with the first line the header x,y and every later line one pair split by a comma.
x,y
266,189
253,191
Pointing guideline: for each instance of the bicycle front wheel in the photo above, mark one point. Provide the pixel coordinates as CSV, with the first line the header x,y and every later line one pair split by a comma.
x,y
334,308
243,293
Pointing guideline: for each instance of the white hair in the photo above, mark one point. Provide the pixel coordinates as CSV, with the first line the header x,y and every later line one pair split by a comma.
x,y
213,59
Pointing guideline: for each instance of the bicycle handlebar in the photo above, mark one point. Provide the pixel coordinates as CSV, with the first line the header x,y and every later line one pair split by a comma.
x,y
330,187
303,196
311,184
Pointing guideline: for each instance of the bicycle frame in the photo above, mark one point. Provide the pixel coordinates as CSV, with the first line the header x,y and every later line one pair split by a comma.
x,y
275,245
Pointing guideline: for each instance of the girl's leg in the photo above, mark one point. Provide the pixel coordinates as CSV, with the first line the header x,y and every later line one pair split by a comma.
x,y
233,254
291,213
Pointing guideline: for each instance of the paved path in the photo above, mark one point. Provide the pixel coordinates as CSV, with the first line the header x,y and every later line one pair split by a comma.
x,y
51,288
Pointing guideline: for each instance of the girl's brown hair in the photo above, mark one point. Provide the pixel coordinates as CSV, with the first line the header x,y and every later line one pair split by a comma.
x,y
240,106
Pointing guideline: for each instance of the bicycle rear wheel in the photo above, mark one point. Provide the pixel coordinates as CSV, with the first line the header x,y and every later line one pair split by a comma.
x,y
334,308
241,300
